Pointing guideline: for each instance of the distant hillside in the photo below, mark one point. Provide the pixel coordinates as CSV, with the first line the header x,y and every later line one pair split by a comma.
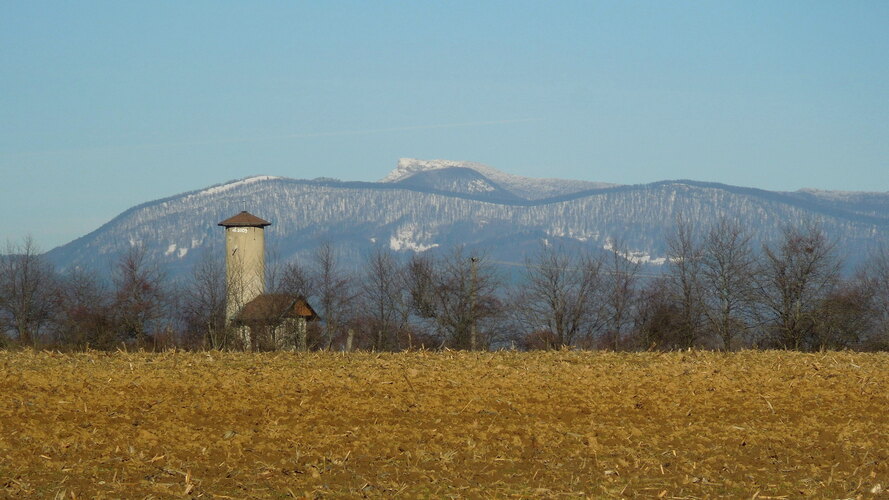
x,y
418,209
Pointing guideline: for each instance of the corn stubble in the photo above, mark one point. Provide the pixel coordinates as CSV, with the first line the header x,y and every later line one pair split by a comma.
x,y
449,424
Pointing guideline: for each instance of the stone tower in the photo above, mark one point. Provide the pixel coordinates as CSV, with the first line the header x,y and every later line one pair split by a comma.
x,y
244,260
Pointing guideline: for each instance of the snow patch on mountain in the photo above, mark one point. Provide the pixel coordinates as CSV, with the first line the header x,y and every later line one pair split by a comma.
x,y
182,251
410,237
236,184
634,256
583,236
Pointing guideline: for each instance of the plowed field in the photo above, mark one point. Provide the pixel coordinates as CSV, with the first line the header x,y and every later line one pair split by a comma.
x,y
557,424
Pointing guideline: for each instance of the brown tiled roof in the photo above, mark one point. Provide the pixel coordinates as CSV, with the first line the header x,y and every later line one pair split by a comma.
x,y
244,219
275,307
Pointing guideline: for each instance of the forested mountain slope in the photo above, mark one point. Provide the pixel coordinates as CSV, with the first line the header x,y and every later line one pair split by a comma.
x,y
417,216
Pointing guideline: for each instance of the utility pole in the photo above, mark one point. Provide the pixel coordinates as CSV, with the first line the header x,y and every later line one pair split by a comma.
x,y
473,264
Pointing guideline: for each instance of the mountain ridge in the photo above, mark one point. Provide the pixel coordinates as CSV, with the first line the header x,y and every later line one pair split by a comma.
x,y
411,217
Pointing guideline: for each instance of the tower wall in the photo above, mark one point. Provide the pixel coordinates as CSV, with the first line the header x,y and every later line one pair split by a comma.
x,y
244,267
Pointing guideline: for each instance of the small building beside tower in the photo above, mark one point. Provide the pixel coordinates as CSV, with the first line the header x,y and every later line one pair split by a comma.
x,y
276,321
265,321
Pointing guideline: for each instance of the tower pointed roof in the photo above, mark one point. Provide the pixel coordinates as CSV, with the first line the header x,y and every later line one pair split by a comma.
x,y
244,219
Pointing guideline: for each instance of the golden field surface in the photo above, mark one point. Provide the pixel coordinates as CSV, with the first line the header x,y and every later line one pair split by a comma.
x,y
444,424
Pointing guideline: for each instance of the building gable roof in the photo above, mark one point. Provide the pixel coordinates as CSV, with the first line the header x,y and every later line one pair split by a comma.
x,y
274,307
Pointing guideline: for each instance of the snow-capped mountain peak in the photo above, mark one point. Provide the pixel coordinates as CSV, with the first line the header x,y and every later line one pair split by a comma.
x,y
409,166
529,188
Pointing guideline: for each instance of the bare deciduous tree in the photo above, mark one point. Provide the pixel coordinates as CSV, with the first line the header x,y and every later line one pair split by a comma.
x,y
85,319
28,291
618,295
683,280
383,293
421,285
141,302
560,296
458,295
657,318
728,273
874,275
844,317
798,274
333,291
203,305
295,279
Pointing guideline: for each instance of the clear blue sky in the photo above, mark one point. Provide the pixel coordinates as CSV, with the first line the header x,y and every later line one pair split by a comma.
x,y
104,105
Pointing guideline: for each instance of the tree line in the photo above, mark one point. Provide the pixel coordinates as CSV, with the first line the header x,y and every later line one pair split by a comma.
x,y
716,291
